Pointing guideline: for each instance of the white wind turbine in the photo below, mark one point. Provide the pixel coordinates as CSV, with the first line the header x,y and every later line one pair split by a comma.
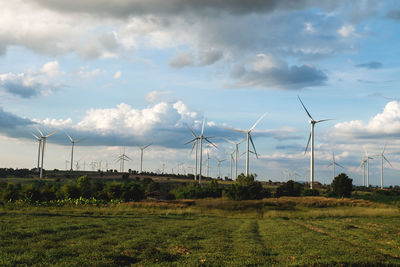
x,y
383,158
43,137
311,137
363,161
334,164
236,153
367,158
73,142
196,140
219,166
142,148
122,158
40,145
248,138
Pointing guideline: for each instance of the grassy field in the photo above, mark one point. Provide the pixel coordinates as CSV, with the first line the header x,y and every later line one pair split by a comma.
x,y
209,232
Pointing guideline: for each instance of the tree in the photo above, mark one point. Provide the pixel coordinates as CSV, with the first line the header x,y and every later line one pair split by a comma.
x,y
245,188
290,189
342,185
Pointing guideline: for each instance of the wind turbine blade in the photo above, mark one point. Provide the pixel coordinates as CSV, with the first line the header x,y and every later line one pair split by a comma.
x,y
323,120
194,135
70,138
193,140
50,134
254,147
236,130
387,161
330,164
255,124
228,140
194,143
79,140
384,147
211,142
309,138
337,164
308,113
39,131
202,126
35,136
147,146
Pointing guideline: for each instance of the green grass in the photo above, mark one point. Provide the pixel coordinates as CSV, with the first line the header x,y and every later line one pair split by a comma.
x,y
203,233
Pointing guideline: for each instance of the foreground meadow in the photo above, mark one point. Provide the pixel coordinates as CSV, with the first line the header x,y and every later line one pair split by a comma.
x,y
209,232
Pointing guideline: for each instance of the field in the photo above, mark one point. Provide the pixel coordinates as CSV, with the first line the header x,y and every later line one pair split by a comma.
x,y
209,232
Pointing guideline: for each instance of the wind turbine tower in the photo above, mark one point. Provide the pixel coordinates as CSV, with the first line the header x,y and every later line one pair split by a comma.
x,y
248,140
142,148
383,158
236,153
43,137
40,145
219,166
73,142
311,137
334,164
367,158
122,158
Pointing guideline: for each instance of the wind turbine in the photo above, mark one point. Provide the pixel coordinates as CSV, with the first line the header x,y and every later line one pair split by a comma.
x,y
122,158
142,148
236,153
196,140
363,161
334,164
73,142
219,166
383,158
367,158
43,137
311,137
248,138
40,144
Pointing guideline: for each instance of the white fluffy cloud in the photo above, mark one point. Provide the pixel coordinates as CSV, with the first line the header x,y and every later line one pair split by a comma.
x,y
32,83
156,96
384,124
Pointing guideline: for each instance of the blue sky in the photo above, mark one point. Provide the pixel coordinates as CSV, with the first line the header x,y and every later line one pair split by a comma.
x,y
136,72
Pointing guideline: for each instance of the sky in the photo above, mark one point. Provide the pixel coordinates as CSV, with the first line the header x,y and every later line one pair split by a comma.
x,y
128,73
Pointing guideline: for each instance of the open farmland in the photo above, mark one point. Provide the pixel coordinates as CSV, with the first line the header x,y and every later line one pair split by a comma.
x,y
208,232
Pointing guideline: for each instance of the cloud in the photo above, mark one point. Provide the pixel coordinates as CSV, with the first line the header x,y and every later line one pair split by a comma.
x,y
156,96
266,71
394,14
85,73
347,30
117,75
33,83
181,60
383,125
370,65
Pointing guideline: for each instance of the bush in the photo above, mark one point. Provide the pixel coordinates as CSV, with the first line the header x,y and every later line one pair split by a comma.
x,y
310,192
290,189
11,192
342,186
132,191
246,188
194,190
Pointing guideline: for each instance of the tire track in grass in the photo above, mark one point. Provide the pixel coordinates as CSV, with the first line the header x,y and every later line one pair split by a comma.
x,y
322,230
249,246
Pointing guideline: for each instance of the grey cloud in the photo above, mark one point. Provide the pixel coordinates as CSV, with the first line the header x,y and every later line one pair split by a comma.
x,y
370,65
181,60
17,88
394,14
209,57
286,78
125,8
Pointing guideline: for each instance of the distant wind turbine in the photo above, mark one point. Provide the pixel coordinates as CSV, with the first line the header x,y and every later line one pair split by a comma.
x,y
43,137
73,142
236,144
142,148
248,140
334,164
121,159
367,158
383,158
199,140
311,137
363,161
40,145
219,166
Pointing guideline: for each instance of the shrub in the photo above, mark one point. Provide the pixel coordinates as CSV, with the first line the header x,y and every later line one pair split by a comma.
x,y
246,188
11,192
310,192
342,186
132,191
194,190
290,189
